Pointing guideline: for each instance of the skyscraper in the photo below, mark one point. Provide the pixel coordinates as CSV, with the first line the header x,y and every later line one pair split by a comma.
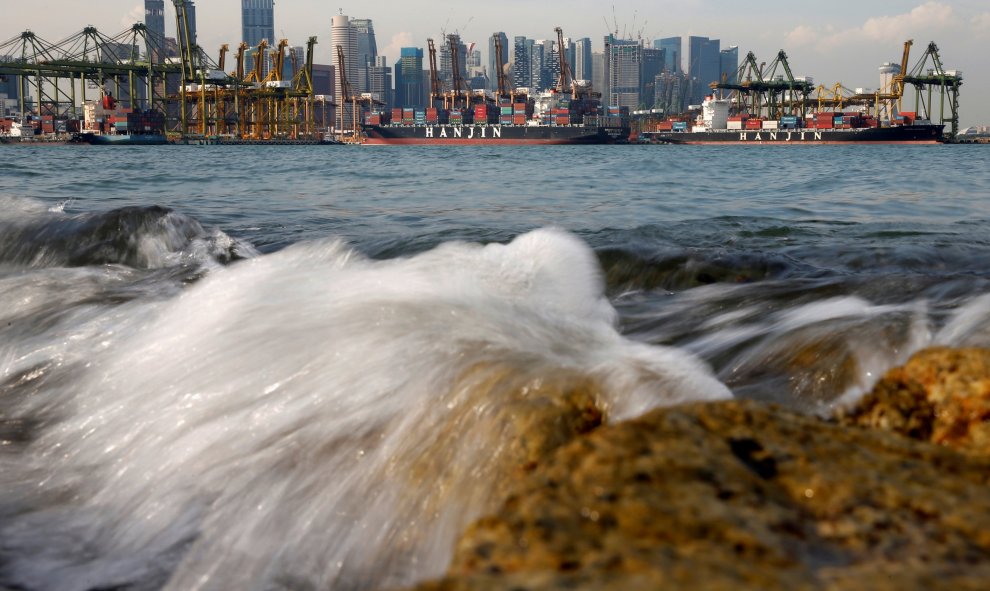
x,y
651,67
729,64
367,47
258,21
345,36
582,59
411,85
672,53
522,70
703,66
624,59
493,67
154,18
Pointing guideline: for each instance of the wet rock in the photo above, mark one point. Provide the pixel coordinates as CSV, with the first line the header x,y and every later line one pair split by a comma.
x,y
940,395
736,495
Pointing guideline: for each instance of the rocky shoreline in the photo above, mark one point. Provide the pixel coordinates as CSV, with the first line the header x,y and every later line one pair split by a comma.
x,y
890,494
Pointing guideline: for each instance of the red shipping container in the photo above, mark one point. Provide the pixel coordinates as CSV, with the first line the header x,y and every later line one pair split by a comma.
x,y
519,120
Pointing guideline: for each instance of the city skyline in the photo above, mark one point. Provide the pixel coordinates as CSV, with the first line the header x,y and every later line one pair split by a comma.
x,y
829,43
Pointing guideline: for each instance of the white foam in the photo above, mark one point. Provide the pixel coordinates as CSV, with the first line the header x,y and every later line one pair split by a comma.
x,y
305,416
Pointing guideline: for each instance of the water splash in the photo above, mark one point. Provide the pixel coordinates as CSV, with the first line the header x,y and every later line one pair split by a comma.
x,y
312,418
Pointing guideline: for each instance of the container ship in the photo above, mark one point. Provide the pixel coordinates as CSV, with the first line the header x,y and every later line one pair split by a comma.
x,y
715,126
109,125
552,118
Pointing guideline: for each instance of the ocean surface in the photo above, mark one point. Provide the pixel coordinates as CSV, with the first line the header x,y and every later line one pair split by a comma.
x,y
278,367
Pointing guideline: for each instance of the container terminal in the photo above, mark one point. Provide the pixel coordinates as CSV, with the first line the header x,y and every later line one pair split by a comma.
x,y
769,105
192,99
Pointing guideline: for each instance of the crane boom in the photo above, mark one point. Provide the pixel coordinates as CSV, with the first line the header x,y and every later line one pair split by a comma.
x,y
503,80
435,90
566,78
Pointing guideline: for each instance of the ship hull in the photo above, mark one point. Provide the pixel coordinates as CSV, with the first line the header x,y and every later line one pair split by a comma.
x,y
120,140
905,134
468,135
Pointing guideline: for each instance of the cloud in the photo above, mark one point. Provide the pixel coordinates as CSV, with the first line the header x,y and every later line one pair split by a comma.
x,y
802,35
981,22
135,15
925,19
395,44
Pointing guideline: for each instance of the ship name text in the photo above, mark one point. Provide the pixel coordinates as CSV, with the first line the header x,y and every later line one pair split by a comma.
x,y
468,133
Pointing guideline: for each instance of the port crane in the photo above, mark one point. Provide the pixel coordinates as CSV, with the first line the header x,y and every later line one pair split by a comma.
x,y
926,76
565,81
501,77
760,87
436,90
345,96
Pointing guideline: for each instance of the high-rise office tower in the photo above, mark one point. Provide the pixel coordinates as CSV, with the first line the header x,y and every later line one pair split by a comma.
x,y
522,70
624,59
191,19
582,59
342,34
411,84
367,47
651,67
154,18
539,53
728,60
703,66
672,53
258,21
493,68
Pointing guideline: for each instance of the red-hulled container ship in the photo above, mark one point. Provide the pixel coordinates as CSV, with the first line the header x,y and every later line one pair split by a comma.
x,y
551,118
716,127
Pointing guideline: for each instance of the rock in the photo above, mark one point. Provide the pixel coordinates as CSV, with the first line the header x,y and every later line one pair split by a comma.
x,y
735,495
940,395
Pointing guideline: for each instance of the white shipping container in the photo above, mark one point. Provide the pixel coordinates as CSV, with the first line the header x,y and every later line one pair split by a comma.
x,y
735,125
771,124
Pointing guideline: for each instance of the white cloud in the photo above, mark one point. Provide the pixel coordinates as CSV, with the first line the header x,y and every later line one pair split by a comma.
x,y
981,22
931,16
395,44
802,35
135,15
927,19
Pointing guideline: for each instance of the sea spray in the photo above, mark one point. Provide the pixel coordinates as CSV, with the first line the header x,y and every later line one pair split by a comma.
x,y
312,418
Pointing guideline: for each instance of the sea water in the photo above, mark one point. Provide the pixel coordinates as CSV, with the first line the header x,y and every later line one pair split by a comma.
x,y
280,367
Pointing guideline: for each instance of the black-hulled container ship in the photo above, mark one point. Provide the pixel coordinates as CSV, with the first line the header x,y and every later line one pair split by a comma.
x,y
551,118
716,127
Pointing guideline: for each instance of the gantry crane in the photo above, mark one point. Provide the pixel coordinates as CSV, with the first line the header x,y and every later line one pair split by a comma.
x,y
503,80
565,81
436,90
928,74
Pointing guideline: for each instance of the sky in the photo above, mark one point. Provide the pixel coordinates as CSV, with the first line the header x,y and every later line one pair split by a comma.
x,y
837,41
